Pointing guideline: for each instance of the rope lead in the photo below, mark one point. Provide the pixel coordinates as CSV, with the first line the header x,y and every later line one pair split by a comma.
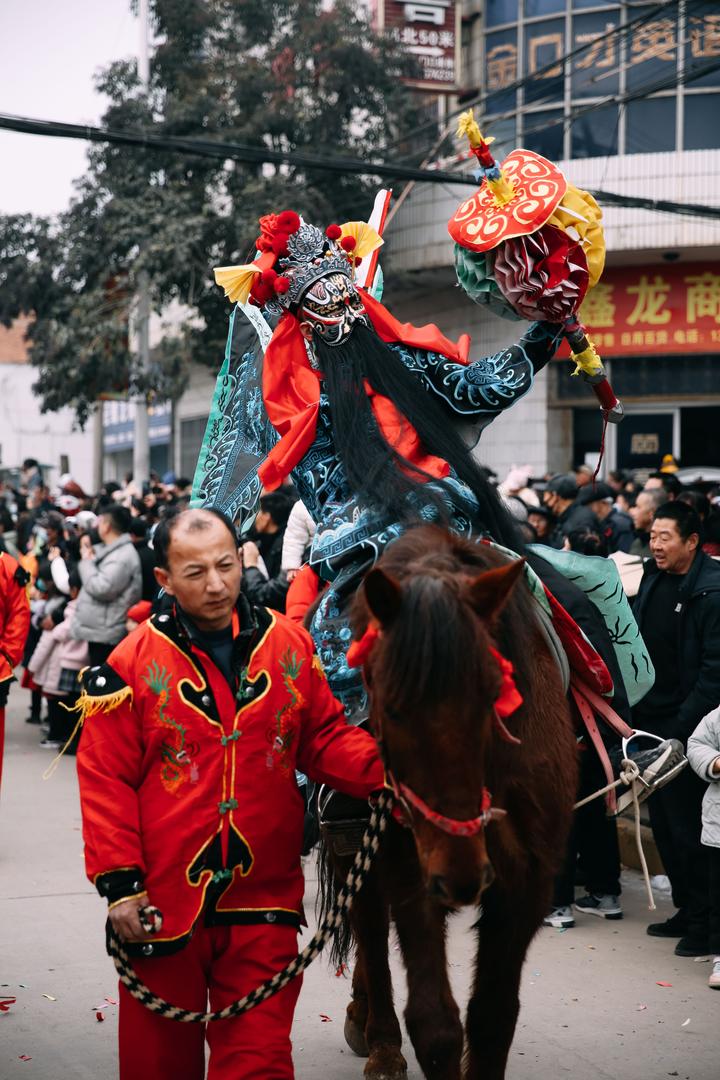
x,y
333,921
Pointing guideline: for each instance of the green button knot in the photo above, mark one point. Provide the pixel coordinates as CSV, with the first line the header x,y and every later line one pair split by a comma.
x,y
220,876
229,804
225,739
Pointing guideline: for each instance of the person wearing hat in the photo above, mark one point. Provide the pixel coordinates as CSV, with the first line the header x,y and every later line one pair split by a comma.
x,y
616,528
560,497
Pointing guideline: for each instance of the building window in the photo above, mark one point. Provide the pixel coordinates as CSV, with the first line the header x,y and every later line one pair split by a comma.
x,y
652,53
500,11
702,48
650,125
543,133
595,133
544,45
595,69
500,70
702,130
543,7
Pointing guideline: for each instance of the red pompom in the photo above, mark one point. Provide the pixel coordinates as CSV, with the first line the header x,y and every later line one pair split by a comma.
x,y
282,284
288,221
279,243
268,276
348,243
261,293
333,232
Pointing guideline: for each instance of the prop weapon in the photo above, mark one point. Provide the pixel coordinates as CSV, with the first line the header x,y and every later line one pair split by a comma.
x,y
530,245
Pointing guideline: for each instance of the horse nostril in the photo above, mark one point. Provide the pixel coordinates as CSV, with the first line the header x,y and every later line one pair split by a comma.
x,y
437,887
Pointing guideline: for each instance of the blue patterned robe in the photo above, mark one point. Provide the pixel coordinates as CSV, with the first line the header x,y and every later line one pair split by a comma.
x,y
350,537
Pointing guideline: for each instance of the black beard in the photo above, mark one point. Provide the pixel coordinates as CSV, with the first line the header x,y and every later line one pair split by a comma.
x,y
374,470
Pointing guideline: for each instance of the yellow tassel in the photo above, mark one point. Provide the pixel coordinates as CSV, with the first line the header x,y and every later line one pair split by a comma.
x,y
468,125
236,281
588,362
88,705
502,190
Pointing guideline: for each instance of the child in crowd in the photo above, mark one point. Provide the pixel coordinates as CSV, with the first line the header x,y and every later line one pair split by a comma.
x,y
55,665
704,755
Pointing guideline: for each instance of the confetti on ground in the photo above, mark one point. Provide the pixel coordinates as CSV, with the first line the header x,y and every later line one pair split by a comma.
x,y
663,984
685,1022
99,1017
22,986
49,997
591,947
24,1057
341,971
6,1002
641,1007
701,960
325,1019
111,1001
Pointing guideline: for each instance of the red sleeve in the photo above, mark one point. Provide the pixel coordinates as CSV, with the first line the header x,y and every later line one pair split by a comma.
x,y
109,765
333,752
302,593
15,610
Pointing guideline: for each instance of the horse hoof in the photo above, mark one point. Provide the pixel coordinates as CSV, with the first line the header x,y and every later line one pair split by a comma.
x,y
386,1063
355,1038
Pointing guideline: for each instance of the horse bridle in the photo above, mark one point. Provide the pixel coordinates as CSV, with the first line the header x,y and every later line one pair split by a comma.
x,y
407,800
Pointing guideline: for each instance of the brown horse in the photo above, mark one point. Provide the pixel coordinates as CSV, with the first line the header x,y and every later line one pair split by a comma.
x,y
440,606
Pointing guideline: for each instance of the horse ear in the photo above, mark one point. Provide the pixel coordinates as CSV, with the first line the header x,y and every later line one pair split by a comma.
x,y
489,592
383,596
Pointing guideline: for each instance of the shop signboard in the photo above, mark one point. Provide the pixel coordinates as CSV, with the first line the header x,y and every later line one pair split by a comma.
x,y
430,31
656,310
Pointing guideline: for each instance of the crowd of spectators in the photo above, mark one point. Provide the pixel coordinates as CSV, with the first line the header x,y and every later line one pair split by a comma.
x,y
91,564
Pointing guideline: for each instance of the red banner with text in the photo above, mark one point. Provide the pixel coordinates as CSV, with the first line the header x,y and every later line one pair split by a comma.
x,y
640,311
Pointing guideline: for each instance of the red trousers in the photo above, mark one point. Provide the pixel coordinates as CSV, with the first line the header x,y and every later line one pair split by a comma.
x,y
220,963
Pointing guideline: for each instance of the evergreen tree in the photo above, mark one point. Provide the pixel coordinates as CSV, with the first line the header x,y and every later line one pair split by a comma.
x,y
292,75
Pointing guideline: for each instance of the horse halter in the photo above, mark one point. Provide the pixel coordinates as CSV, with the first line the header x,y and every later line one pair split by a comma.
x,y
407,800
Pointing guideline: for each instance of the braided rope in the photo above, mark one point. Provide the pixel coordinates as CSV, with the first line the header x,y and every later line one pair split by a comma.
x,y
353,884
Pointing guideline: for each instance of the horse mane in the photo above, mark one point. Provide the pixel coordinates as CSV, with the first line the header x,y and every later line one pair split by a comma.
x,y
438,639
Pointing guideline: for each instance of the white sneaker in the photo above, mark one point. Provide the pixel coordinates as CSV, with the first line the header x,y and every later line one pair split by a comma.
x,y
560,917
714,979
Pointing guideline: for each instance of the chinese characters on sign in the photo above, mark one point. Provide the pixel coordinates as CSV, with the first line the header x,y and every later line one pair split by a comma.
x,y
668,309
656,40
429,31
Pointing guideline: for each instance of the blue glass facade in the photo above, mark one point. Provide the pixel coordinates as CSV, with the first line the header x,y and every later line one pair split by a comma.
x,y
577,78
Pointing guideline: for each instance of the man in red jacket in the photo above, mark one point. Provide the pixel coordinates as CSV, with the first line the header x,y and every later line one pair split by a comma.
x,y
193,731
14,625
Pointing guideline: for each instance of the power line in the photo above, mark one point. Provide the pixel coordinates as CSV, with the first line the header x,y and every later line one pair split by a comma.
x,y
226,151
261,155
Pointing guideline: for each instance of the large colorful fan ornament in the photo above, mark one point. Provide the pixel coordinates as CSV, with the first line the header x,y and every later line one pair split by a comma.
x,y
530,245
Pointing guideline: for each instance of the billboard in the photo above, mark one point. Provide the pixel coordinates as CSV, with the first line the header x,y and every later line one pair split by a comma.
x,y
430,31
641,310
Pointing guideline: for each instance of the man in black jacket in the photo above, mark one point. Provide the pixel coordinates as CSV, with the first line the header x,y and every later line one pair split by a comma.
x,y
266,544
678,612
560,497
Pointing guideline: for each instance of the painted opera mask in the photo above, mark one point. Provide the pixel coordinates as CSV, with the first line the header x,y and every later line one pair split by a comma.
x,y
331,307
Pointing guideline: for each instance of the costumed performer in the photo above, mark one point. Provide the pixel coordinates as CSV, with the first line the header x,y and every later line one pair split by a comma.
x,y
14,626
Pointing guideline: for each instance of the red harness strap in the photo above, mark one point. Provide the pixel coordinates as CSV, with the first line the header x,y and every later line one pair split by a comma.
x,y
406,796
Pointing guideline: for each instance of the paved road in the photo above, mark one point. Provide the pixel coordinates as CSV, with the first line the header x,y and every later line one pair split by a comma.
x,y
592,1009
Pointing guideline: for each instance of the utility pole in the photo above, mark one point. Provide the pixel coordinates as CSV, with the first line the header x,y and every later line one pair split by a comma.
x,y
141,448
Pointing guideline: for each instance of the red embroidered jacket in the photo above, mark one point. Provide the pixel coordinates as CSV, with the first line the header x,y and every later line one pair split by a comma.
x,y
14,614
189,791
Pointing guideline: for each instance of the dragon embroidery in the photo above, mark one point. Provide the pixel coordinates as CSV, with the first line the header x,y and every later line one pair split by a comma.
x,y
174,749
281,735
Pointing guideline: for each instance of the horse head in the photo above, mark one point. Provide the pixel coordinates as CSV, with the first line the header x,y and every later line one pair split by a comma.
x,y
436,680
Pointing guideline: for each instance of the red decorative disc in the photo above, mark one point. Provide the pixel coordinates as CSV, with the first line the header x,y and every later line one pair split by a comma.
x,y
480,225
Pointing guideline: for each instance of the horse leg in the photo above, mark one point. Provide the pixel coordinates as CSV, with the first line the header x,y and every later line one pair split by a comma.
x,y
371,1023
431,1016
505,933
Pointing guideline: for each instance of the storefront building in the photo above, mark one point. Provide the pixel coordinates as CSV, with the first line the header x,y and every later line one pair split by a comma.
x,y
625,97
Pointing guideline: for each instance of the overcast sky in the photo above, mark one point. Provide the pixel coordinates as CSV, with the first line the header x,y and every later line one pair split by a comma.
x,y
51,50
